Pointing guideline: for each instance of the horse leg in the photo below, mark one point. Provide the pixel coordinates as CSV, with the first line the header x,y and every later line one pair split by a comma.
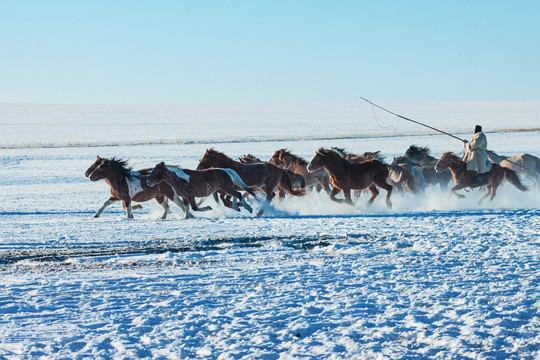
x,y
184,205
269,196
374,193
194,206
333,193
127,206
489,192
347,194
133,207
383,184
238,196
456,188
106,204
164,202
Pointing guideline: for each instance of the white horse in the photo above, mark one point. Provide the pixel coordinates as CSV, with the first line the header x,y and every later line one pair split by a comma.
x,y
525,164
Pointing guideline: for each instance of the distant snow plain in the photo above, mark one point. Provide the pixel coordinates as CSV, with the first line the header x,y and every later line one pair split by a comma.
x,y
434,277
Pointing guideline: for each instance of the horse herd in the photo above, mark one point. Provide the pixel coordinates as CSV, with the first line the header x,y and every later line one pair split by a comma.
x,y
331,170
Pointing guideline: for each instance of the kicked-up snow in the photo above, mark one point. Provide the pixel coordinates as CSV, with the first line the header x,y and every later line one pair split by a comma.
x,y
434,277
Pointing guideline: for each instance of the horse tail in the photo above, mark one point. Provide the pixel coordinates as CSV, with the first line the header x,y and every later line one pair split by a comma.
x,y
237,180
513,179
297,180
286,184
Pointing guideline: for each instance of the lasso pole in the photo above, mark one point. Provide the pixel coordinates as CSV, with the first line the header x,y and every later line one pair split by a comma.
x,y
411,120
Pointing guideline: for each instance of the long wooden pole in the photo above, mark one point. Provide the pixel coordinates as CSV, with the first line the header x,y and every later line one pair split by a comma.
x,y
411,120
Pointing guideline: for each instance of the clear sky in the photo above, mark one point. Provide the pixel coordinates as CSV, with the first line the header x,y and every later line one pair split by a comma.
x,y
272,51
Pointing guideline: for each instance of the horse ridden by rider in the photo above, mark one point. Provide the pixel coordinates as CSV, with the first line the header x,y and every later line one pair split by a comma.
x,y
477,157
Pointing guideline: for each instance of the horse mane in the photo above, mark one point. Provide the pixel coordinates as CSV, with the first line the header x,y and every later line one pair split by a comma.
x,y
418,149
212,153
295,159
331,151
340,151
120,166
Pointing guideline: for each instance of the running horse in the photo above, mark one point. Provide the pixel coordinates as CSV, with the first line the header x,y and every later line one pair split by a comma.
x,y
420,156
493,178
189,184
346,176
525,164
264,176
298,181
129,186
284,159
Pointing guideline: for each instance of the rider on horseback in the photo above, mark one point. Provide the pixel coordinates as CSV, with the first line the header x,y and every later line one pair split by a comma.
x,y
477,157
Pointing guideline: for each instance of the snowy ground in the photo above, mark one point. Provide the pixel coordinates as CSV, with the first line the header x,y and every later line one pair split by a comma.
x,y
435,277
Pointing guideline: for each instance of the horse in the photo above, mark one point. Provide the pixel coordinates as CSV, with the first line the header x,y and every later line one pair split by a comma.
x,y
189,184
284,159
264,176
346,175
420,155
297,180
494,177
407,176
526,164
128,185
421,158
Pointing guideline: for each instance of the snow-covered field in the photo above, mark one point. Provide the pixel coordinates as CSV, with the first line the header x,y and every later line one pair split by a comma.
x,y
435,277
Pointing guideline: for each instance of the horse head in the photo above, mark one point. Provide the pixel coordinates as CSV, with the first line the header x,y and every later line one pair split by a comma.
x,y
319,159
279,158
93,167
108,166
447,160
213,158
157,174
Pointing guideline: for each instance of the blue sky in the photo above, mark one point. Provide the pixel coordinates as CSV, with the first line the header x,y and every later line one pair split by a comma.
x,y
145,52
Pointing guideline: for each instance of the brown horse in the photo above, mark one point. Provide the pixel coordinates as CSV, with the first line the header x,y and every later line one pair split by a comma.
x,y
346,175
127,186
263,176
298,181
493,178
189,184
284,159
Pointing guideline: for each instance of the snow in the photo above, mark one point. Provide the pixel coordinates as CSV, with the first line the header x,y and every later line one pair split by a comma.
x,y
434,277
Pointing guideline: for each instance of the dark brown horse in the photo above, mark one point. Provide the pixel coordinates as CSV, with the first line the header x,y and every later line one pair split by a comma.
x,y
346,175
283,158
189,184
127,186
420,155
298,181
493,178
263,176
